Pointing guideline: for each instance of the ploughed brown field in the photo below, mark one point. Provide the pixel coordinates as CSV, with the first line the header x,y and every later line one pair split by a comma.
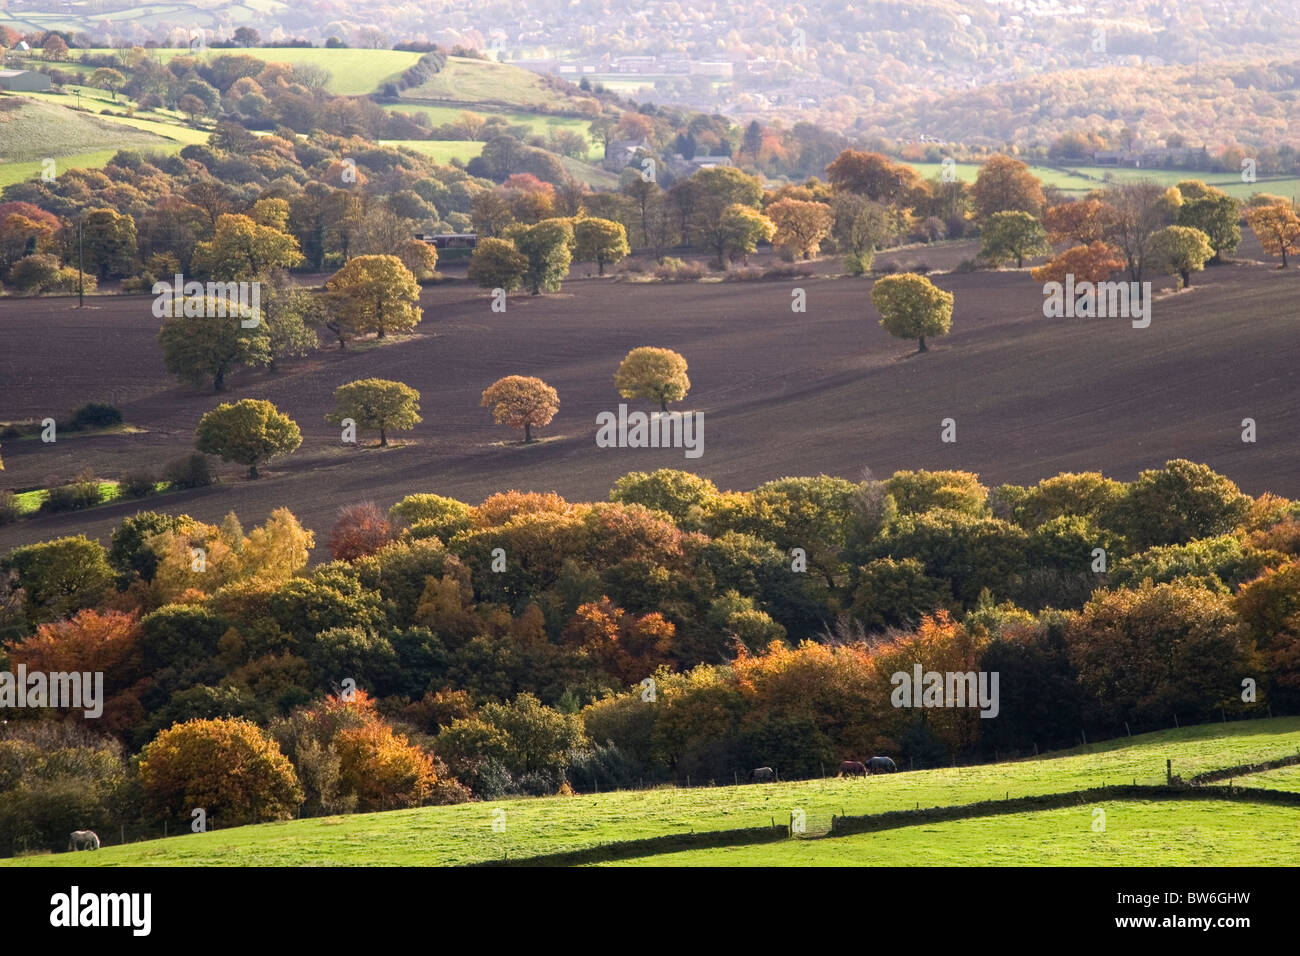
x,y
782,393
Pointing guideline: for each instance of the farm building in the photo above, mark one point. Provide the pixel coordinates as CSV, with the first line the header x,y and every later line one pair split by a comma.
x,y
24,81
452,245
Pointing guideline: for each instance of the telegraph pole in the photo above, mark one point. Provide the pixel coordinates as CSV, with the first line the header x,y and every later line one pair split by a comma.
x,y
81,270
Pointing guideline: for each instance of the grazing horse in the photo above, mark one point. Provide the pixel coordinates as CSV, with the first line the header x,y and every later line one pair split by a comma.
x,y
881,764
763,775
853,768
83,840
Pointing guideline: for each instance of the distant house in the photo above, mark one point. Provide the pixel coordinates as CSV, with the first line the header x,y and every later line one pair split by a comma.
x,y
24,81
621,152
451,245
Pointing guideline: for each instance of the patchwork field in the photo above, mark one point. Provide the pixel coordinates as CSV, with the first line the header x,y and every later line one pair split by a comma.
x,y
432,836
467,80
1081,179
440,150
783,393
38,128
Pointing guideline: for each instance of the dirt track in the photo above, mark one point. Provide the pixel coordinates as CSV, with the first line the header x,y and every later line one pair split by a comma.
x,y
783,393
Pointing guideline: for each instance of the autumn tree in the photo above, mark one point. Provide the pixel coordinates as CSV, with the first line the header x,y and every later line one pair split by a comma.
x,y
242,250
710,192
248,432
1147,654
521,402
226,766
420,257
1217,215
1278,229
861,227
547,247
1081,221
109,241
800,226
1012,235
376,404
599,241
373,294
1180,251
361,529
497,264
741,230
1094,262
873,176
912,307
60,577
208,345
1142,208
108,79
1004,184
653,373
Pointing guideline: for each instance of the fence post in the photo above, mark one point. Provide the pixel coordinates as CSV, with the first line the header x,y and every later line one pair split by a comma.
x,y
1085,736
1035,748
1176,724
1126,730
1169,772
122,831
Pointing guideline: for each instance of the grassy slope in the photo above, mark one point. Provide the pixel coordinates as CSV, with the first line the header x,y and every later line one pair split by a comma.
x,y
352,72
1284,778
463,834
1137,833
1083,178
40,128
474,81
537,123
440,150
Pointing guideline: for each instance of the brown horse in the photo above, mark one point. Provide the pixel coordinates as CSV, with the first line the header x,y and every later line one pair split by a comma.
x,y
852,768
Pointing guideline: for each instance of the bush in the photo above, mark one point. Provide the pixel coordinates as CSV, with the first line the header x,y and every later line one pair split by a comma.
x,y
188,471
858,263
82,492
137,484
968,265
94,415
8,508
674,268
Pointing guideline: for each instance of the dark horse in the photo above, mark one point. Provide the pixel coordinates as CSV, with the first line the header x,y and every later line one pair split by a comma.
x,y
852,768
763,775
881,765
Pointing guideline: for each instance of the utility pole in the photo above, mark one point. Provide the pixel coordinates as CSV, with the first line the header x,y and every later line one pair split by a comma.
x,y
81,270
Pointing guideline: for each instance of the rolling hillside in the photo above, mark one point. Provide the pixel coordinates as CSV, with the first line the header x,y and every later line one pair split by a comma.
x,y
462,834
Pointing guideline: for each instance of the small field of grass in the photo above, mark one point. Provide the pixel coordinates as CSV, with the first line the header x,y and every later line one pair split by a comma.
x,y
1137,833
39,128
352,72
440,150
1080,179
29,502
538,123
466,80
1283,778
440,836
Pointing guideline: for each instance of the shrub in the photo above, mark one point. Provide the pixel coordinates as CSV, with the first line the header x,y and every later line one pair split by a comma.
x,y
858,263
8,507
188,471
94,415
137,484
82,492
968,265
674,268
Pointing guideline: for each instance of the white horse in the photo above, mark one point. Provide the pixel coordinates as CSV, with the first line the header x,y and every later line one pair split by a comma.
x,y
83,840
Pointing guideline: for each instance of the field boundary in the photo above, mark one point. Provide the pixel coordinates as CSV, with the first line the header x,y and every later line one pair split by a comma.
x,y
900,819
649,846
1243,770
